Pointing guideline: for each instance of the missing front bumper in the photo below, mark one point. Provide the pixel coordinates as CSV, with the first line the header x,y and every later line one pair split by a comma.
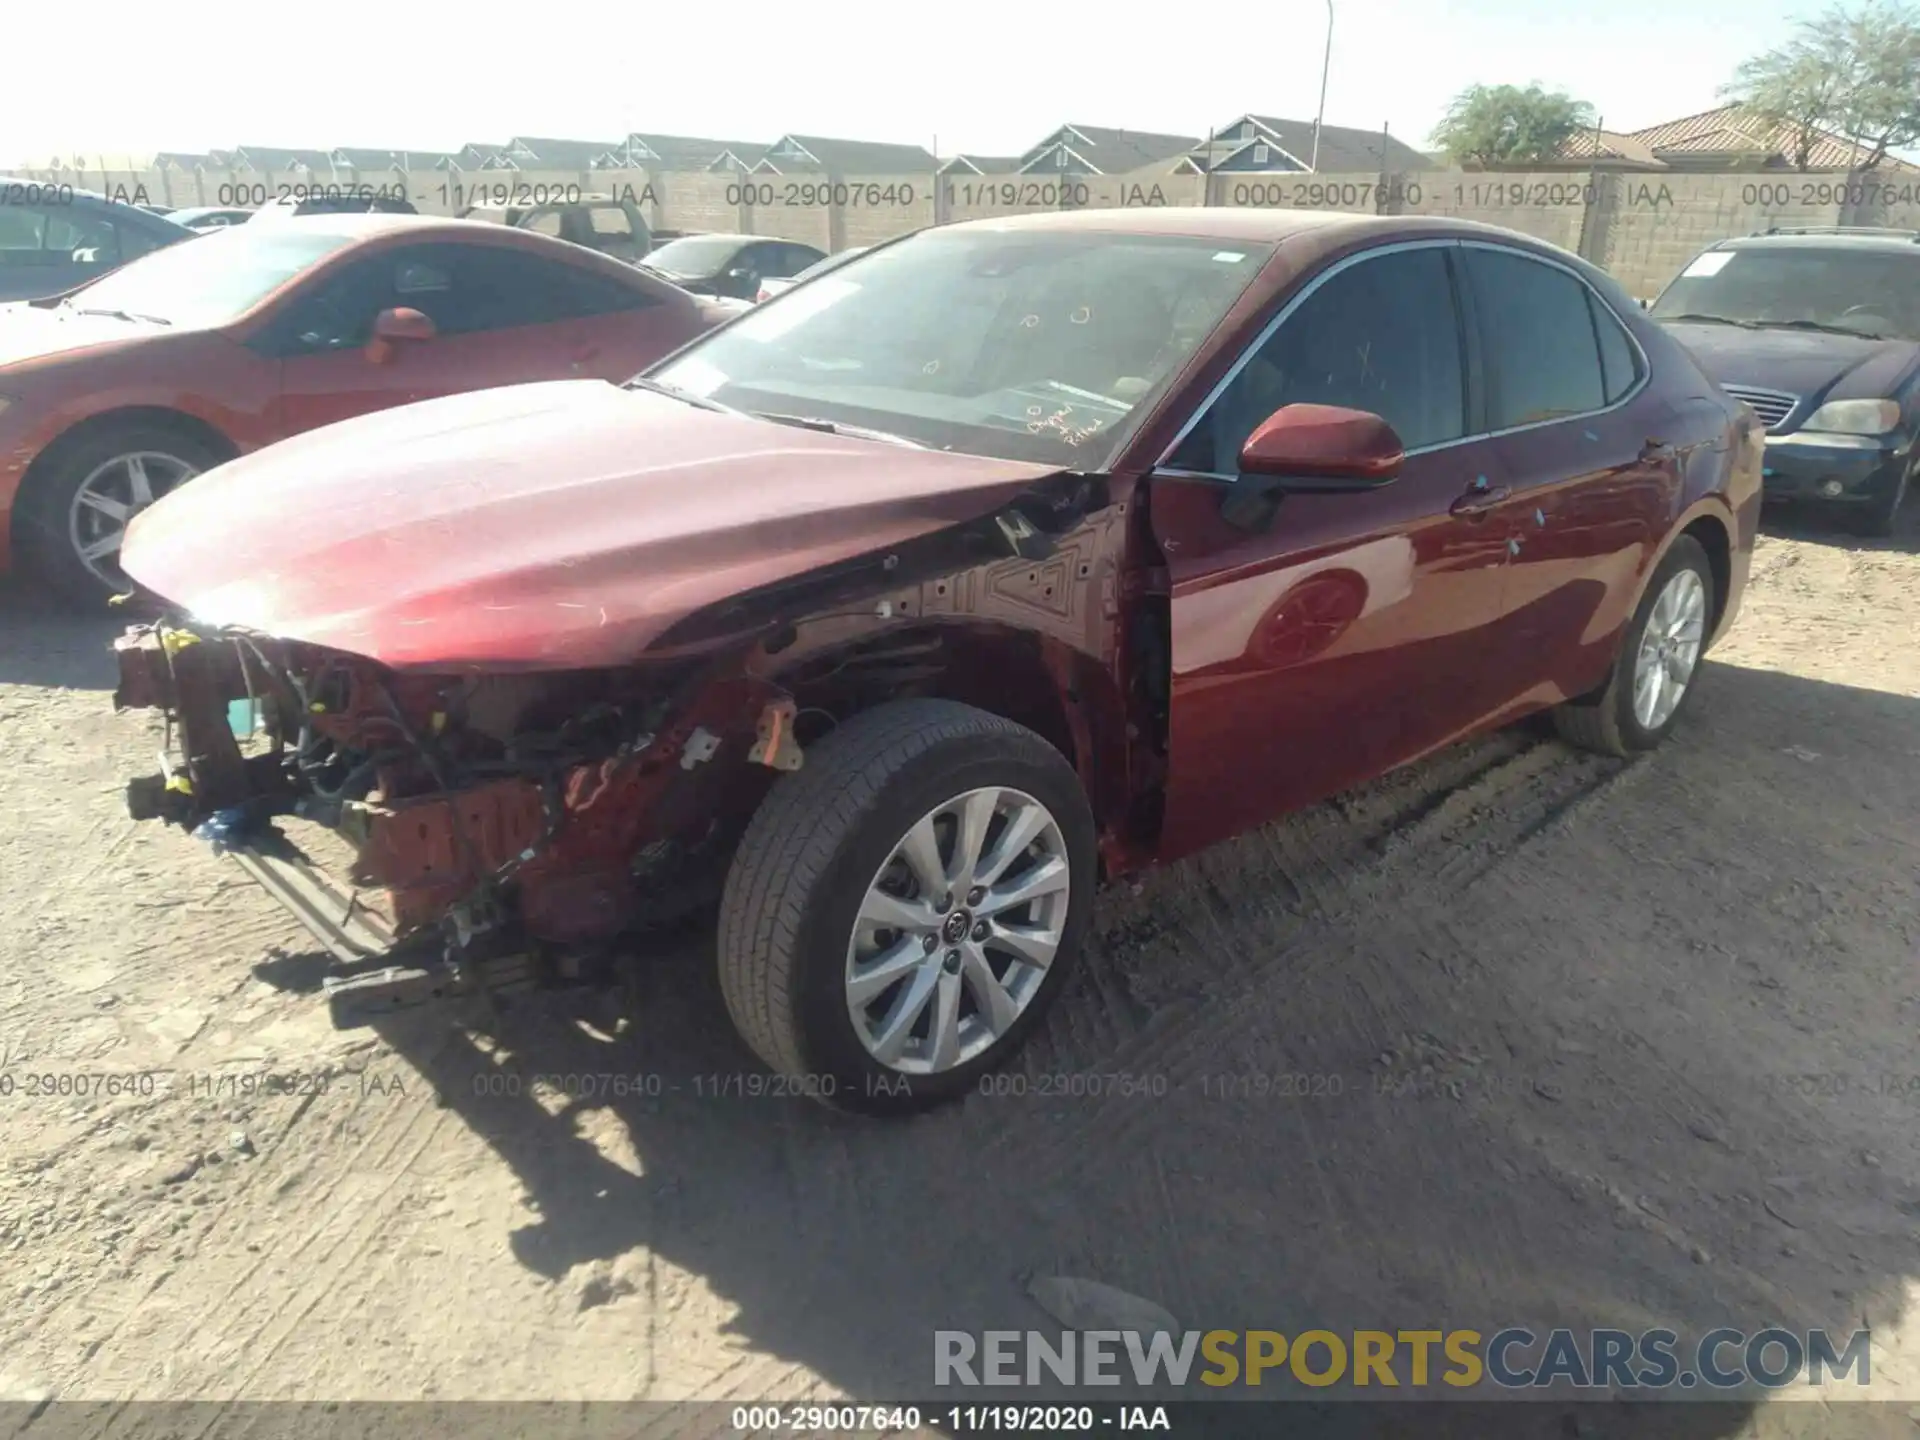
x,y
377,973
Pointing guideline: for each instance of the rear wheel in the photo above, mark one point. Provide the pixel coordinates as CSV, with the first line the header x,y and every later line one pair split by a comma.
x,y
1659,656
76,513
902,910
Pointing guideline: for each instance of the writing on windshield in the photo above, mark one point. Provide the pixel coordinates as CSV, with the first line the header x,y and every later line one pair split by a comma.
x,y
1847,291
1026,344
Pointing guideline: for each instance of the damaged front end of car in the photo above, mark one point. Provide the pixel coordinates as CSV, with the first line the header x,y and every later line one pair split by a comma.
x,y
516,823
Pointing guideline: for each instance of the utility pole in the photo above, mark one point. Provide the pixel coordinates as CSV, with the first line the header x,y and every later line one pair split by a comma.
x,y
1319,119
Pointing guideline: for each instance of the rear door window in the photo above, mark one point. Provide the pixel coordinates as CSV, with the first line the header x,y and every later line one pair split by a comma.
x,y
1619,365
609,220
463,289
23,230
1540,348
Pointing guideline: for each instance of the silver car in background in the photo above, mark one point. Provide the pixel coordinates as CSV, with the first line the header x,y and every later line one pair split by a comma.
x,y
770,287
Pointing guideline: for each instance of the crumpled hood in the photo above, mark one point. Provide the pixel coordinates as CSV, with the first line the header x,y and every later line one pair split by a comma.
x,y
1799,362
28,333
549,526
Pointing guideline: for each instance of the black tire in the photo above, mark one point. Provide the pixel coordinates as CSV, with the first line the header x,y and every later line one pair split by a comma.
x,y
1877,518
808,856
1605,721
45,544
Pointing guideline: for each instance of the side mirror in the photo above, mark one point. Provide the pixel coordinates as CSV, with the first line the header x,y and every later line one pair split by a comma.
x,y
1322,449
399,326
403,324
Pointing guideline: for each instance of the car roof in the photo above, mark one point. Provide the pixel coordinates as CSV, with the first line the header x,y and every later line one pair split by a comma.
x,y
1905,241
362,224
361,227
736,239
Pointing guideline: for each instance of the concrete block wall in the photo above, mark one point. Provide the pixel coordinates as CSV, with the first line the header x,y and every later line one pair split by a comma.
x,y
1651,230
1641,227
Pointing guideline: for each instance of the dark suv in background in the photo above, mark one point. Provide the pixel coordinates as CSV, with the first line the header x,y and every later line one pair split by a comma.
x,y
1818,331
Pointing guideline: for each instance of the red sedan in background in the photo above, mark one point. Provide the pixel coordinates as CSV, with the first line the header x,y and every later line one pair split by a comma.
x,y
115,393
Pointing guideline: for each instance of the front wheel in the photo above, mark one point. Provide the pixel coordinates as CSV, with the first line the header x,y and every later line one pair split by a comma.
x,y
76,513
1659,656
902,910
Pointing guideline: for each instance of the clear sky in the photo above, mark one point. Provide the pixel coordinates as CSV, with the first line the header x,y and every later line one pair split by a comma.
x,y
990,76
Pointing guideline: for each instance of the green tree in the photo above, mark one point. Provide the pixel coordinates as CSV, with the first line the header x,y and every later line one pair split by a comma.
x,y
1509,125
1855,72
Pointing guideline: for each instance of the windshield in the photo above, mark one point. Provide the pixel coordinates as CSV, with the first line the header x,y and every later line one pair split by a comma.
x,y
1022,344
694,254
213,280
1866,292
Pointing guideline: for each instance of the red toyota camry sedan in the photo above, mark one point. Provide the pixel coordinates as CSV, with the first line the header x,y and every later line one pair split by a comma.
x,y
115,393
1016,554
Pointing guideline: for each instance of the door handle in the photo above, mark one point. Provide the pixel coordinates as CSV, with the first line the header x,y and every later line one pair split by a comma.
x,y
1478,502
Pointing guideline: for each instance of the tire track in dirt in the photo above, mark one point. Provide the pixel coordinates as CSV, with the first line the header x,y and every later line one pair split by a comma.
x,y
1310,945
249,1292
1423,845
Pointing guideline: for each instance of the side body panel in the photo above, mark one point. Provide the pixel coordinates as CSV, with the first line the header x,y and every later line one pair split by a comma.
x,y
1347,641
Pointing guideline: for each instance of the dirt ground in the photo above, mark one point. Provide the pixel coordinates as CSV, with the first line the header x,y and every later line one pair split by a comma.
x,y
1556,1018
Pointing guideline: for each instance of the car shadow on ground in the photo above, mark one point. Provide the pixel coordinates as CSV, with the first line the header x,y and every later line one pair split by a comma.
x,y
45,645
1821,525
1517,1037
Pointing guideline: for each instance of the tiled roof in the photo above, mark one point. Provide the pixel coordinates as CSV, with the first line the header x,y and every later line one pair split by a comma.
x,y
1608,145
1727,130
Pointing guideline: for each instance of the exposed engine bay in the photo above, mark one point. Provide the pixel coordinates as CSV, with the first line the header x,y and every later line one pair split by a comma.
x,y
518,821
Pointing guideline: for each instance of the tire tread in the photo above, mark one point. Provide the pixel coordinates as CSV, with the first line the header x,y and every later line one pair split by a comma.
x,y
40,526
792,840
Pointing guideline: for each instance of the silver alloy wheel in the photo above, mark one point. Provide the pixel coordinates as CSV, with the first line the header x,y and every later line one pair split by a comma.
x,y
1669,649
957,930
110,497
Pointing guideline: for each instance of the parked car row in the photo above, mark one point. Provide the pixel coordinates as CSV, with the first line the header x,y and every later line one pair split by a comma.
x,y
888,612
80,237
